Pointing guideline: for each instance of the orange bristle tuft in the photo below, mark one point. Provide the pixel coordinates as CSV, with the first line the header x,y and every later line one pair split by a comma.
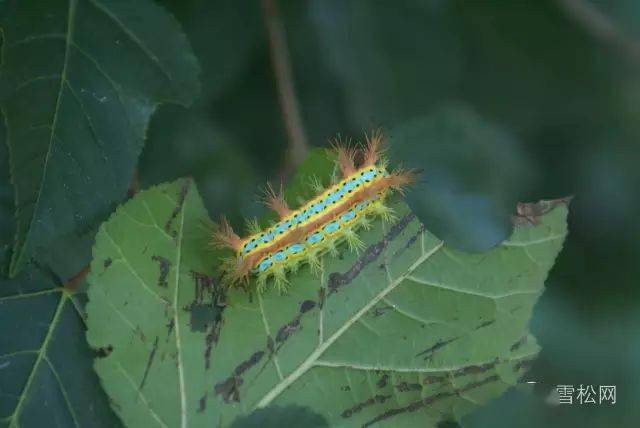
x,y
276,201
373,147
345,157
401,178
225,237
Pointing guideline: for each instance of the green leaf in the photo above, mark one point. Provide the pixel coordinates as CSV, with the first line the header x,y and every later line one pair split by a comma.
x,y
152,301
409,333
472,172
6,202
276,417
46,368
80,80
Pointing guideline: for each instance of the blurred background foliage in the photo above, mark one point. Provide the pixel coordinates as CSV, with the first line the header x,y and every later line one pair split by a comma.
x,y
497,102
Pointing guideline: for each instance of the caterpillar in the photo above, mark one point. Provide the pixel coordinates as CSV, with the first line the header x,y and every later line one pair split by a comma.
x,y
330,218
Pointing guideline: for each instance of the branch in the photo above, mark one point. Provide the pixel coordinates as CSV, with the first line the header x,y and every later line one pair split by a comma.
x,y
281,64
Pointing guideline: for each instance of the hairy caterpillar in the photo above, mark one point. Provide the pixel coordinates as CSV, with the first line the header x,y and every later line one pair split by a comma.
x,y
319,225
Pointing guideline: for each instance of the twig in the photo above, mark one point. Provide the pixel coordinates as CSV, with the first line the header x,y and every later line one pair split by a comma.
x,y
75,279
284,80
134,186
601,27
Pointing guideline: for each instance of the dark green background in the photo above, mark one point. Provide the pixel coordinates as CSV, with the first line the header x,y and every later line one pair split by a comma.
x,y
497,101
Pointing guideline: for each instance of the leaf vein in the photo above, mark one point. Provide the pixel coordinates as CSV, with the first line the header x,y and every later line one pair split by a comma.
x,y
134,38
533,242
153,414
124,260
85,114
268,331
109,79
27,295
182,389
471,292
311,359
35,37
63,390
35,79
63,75
32,374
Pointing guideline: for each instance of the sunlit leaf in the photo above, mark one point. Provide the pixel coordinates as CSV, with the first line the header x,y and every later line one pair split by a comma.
x,y
410,332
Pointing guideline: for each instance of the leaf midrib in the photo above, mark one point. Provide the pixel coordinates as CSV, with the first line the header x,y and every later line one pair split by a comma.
x,y
39,358
71,17
63,76
176,321
310,361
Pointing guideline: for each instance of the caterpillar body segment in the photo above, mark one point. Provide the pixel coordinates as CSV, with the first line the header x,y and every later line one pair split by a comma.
x,y
320,225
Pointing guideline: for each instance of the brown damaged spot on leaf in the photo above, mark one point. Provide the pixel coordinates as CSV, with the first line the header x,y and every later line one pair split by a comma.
x,y
380,310
174,214
321,297
406,387
379,399
170,326
519,343
204,311
371,254
205,285
307,305
485,324
107,262
426,401
104,351
427,353
285,332
210,340
165,267
475,369
230,387
152,355
202,403
202,316
472,369
429,380
529,213
412,240
382,382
